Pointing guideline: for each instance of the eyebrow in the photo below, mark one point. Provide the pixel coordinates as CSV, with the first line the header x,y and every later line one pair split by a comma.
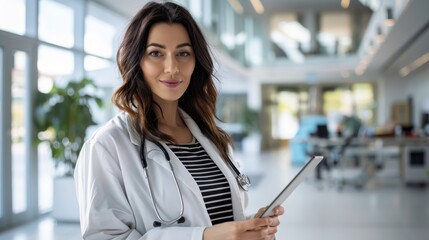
x,y
164,47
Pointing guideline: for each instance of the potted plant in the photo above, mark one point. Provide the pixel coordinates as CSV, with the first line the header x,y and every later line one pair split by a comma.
x,y
61,119
251,129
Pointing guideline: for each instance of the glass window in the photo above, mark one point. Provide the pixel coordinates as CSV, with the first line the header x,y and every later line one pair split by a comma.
x,y
56,23
363,94
55,62
335,36
19,163
195,8
338,99
357,99
46,172
92,63
289,36
286,111
99,37
12,16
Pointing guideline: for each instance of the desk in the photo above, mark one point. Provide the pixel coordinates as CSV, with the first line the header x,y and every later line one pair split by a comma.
x,y
374,147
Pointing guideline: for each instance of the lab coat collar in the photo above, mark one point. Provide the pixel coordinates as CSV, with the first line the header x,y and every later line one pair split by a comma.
x,y
132,131
135,136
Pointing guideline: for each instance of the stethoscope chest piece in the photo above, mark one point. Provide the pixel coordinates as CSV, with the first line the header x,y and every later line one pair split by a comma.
x,y
244,181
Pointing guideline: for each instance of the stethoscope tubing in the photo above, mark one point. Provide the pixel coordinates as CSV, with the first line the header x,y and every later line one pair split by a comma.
x,y
143,158
154,205
242,179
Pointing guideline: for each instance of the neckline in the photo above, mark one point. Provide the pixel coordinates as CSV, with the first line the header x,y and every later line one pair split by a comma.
x,y
193,141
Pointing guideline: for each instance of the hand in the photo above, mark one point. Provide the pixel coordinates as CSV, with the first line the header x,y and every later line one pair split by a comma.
x,y
272,228
253,229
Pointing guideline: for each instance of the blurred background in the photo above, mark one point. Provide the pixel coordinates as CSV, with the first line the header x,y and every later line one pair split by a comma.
x,y
347,79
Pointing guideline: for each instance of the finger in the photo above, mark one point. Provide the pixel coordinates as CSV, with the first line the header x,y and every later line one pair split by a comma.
x,y
279,210
276,222
256,234
272,231
259,213
255,223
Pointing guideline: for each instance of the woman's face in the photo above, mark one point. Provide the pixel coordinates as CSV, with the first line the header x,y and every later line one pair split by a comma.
x,y
168,61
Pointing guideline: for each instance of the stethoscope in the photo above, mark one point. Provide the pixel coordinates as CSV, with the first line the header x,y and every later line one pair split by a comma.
x,y
242,179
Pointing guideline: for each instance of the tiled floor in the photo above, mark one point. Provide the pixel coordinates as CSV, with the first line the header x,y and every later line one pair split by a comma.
x,y
384,209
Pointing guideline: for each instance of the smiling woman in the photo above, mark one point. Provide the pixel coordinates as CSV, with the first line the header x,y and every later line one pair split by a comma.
x,y
168,61
165,160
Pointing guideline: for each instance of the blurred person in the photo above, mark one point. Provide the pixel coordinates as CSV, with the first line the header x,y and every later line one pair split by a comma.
x,y
162,168
349,126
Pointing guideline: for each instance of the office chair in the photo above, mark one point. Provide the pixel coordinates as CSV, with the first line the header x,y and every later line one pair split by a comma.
x,y
313,150
343,161
338,162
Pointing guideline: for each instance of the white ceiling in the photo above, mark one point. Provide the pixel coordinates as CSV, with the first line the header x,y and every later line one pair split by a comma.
x,y
125,7
406,41
130,7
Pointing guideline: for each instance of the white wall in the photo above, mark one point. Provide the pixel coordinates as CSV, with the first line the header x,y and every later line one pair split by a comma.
x,y
395,88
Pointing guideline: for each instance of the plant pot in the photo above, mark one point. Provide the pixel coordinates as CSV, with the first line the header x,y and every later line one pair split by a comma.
x,y
65,206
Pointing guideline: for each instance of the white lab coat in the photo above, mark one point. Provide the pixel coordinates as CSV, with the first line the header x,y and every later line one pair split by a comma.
x,y
113,192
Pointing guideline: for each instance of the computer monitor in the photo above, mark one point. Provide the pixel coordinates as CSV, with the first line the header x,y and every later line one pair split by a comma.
x,y
322,131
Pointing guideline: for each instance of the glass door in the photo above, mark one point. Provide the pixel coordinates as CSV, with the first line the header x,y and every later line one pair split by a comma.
x,y
18,67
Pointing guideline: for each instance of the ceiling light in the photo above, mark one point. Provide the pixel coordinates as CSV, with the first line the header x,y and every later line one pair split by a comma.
x,y
257,5
345,3
404,71
372,48
389,17
236,5
420,61
414,65
380,36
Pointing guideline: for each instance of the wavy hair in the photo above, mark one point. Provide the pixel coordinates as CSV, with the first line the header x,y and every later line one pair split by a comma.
x,y
134,96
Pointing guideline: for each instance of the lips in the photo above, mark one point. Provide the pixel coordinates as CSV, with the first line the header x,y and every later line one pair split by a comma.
x,y
171,83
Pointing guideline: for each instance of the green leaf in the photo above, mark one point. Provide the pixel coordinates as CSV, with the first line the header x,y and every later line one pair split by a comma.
x,y
67,112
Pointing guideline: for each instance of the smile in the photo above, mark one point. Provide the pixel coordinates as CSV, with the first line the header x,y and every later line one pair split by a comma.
x,y
171,83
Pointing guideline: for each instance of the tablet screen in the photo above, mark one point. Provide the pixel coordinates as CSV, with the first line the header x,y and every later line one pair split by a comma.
x,y
308,167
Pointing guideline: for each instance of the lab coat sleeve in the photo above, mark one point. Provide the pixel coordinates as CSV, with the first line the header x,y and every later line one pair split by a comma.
x,y
105,212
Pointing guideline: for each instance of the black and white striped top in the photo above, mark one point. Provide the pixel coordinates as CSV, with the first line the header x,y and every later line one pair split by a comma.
x,y
211,181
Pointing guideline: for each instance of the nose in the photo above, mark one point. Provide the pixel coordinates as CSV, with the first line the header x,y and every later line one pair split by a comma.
x,y
171,65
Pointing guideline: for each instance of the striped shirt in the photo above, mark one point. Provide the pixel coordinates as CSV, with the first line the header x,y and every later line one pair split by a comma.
x,y
213,185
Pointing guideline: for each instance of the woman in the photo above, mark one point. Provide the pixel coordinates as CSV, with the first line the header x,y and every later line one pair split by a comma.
x,y
167,126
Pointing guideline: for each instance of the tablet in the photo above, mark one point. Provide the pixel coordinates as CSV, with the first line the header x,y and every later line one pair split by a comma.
x,y
308,167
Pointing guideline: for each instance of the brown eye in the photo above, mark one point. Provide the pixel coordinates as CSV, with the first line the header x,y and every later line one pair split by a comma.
x,y
155,54
184,54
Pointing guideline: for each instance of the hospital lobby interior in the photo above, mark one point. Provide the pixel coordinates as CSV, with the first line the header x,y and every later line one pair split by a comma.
x,y
344,79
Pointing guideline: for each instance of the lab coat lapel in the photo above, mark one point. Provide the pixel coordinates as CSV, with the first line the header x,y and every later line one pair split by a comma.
x,y
182,174
215,156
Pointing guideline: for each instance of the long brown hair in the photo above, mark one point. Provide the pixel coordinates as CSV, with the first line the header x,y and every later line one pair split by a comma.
x,y
134,95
